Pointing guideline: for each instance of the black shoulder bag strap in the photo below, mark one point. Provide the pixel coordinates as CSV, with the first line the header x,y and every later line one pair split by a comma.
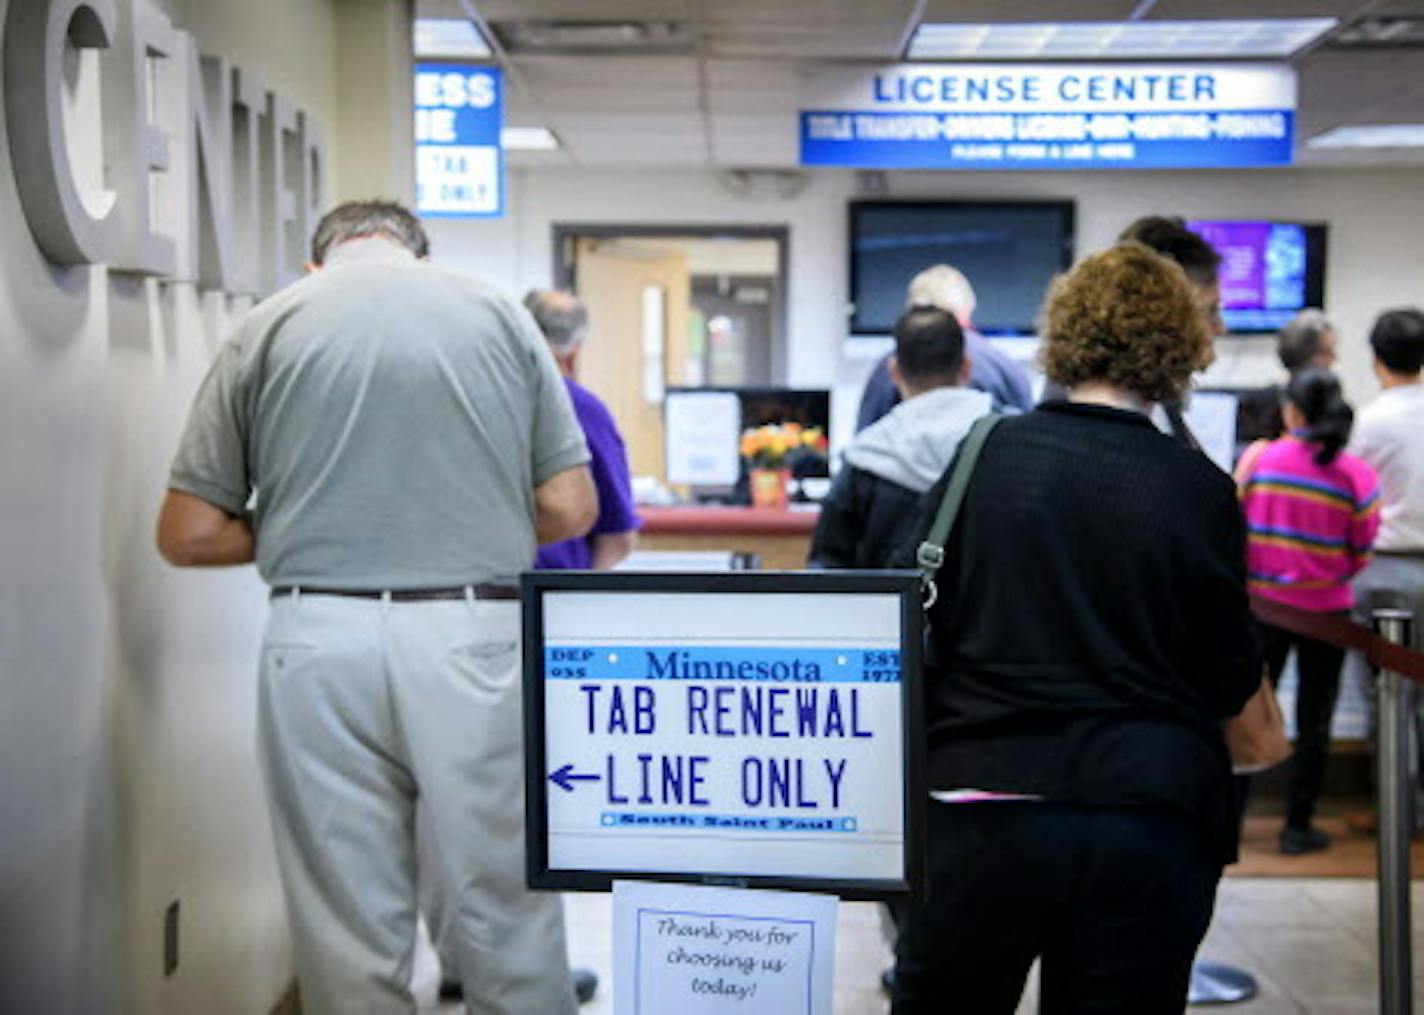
x,y
930,554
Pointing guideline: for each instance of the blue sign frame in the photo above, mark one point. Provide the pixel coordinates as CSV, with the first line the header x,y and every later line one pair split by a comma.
x,y
1050,116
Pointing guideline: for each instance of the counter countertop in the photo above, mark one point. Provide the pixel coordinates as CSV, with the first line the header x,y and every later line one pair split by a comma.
x,y
721,519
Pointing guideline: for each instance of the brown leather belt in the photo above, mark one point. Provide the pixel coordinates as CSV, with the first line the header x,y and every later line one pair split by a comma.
x,y
505,592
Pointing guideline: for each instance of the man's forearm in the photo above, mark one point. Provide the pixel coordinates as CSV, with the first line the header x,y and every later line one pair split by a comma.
x,y
233,544
230,544
611,548
565,506
194,533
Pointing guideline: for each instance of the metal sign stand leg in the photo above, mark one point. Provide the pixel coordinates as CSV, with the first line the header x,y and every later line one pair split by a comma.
x,y
1396,711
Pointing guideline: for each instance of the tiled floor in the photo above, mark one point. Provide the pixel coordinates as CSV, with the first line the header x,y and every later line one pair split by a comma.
x,y
1309,941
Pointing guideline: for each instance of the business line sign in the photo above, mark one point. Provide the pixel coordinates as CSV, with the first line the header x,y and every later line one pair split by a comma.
x,y
1050,116
459,164
753,729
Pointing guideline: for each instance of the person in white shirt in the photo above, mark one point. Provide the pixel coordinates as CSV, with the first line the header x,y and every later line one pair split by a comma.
x,y
1389,436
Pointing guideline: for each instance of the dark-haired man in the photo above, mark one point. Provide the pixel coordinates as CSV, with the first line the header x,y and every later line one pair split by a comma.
x,y
409,441
892,462
1169,236
1389,435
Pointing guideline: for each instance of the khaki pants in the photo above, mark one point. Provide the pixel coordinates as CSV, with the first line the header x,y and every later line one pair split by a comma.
x,y
365,706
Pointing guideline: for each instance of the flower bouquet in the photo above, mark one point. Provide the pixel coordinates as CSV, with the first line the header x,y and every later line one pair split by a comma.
x,y
774,452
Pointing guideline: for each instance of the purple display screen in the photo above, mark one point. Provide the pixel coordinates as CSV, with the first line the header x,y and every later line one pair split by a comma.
x,y
1266,274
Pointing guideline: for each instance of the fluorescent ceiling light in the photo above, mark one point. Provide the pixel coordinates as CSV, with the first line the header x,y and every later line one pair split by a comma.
x,y
449,37
1272,37
528,139
1384,135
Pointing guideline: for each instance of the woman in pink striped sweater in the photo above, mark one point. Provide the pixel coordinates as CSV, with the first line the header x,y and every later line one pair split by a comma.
x,y
1311,517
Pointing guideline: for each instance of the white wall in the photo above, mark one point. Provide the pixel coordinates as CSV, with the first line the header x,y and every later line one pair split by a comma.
x,y
127,705
1376,218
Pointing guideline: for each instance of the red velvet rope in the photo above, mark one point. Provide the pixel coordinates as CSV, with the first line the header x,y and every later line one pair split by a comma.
x,y
1336,630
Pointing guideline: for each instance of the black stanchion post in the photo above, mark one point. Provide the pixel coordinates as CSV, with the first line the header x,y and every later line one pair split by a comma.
x,y
1396,711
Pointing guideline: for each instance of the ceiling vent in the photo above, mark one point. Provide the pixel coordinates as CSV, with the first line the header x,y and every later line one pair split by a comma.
x,y
764,184
604,38
1383,32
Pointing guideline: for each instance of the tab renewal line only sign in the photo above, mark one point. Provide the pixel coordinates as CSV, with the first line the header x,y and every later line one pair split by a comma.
x,y
752,732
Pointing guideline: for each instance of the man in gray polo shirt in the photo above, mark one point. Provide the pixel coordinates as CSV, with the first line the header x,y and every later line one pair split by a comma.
x,y
409,441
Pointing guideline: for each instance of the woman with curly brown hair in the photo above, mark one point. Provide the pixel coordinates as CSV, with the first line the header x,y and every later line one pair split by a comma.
x,y
1091,632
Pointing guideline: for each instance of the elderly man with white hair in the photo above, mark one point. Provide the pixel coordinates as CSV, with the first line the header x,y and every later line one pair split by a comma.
x,y
1307,340
992,372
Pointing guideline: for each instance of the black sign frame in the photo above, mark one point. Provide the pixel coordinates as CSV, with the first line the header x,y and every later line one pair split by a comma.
x,y
904,584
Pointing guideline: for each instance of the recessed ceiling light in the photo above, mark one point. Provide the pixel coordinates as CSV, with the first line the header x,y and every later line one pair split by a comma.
x,y
1271,37
1384,135
528,139
449,37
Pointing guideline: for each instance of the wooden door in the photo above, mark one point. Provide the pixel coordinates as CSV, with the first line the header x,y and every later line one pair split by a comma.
x,y
622,283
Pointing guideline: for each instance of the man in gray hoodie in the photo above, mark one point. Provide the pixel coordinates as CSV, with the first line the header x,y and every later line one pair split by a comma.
x,y
888,467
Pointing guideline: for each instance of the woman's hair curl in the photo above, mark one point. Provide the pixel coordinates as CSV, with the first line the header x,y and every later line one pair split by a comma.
x,y
1126,317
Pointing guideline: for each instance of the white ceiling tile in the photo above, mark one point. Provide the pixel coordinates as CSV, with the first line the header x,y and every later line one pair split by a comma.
x,y
745,140
558,159
1167,10
753,86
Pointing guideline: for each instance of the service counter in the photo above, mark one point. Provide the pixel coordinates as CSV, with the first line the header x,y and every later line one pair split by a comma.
x,y
780,538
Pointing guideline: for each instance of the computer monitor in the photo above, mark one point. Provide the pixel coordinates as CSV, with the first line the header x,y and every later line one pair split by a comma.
x,y
704,427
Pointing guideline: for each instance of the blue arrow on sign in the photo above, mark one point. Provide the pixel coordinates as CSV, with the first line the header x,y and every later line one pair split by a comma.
x,y
565,777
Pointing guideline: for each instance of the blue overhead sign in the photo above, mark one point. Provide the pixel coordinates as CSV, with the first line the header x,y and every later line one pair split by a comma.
x,y
459,165
1050,116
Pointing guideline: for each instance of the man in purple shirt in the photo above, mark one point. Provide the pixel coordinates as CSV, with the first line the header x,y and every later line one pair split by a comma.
x,y
564,321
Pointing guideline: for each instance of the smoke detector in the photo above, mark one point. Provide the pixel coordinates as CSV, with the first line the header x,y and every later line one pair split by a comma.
x,y
764,184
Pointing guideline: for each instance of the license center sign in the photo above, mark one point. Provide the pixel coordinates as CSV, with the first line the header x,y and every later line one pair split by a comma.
x,y
1050,116
755,735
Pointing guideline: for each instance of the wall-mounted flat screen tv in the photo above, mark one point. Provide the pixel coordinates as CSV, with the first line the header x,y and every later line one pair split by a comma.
x,y
1269,270
1009,250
